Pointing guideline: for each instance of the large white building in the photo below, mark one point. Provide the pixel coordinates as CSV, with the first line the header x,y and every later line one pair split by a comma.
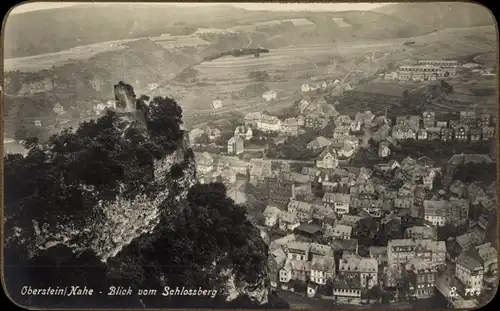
x,y
270,95
440,63
470,272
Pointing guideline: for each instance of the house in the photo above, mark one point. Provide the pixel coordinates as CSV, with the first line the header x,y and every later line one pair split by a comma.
x,y
349,148
391,76
244,132
239,166
488,132
280,189
270,95
462,132
285,274
290,127
301,270
301,120
204,163
446,134
327,159
468,117
429,119
379,253
253,118
213,133
460,244
312,172
475,134
401,120
349,220
414,121
304,210
235,145
271,215
422,278
484,120
341,132
383,150
305,88
321,211
390,225
442,123
318,143
316,121
308,231
421,233
216,104
355,126
347,288
342,232
433,133
322,270
349,247
338,201
489,257
288,221
328,224
400,251
458,211
470,272
435,212
298,250
342,120
422,134
275,262
366,268
269,124
280,243
259,170
401,132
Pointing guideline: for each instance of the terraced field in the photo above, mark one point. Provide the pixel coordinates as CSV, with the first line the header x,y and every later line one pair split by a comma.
x,y
478,94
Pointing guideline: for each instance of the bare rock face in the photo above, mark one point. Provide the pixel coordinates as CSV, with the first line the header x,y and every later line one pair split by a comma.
x,y
257,293
122,220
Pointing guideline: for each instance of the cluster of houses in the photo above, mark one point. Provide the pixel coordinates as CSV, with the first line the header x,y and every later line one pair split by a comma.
x,y
318,228
424,70
431,70
468,126
401,197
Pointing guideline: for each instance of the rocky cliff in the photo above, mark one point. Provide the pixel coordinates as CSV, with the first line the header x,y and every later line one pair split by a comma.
x,y
124,189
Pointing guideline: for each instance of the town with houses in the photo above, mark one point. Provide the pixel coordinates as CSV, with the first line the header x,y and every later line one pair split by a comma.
x,y
353,214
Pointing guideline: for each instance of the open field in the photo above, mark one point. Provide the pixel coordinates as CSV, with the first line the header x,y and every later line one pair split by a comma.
x,y
341,22
46,61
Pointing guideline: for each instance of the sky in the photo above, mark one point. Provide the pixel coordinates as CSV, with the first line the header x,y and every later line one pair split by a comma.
x,y
34,6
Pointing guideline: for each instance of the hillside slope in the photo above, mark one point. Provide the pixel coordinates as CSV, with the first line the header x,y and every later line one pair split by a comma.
x,y
440,15
65,28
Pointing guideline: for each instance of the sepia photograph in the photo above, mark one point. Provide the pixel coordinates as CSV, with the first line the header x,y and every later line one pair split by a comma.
x,y
250,155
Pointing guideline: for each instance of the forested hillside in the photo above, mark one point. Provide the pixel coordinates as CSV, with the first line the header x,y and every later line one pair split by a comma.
x,y
116,202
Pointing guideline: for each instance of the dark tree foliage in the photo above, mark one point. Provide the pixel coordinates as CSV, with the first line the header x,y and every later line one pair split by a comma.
x,y
61,182
481,172
69,174
366,230
212,228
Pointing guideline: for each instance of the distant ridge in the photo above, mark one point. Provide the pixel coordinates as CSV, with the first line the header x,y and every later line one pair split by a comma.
x,y
439,15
